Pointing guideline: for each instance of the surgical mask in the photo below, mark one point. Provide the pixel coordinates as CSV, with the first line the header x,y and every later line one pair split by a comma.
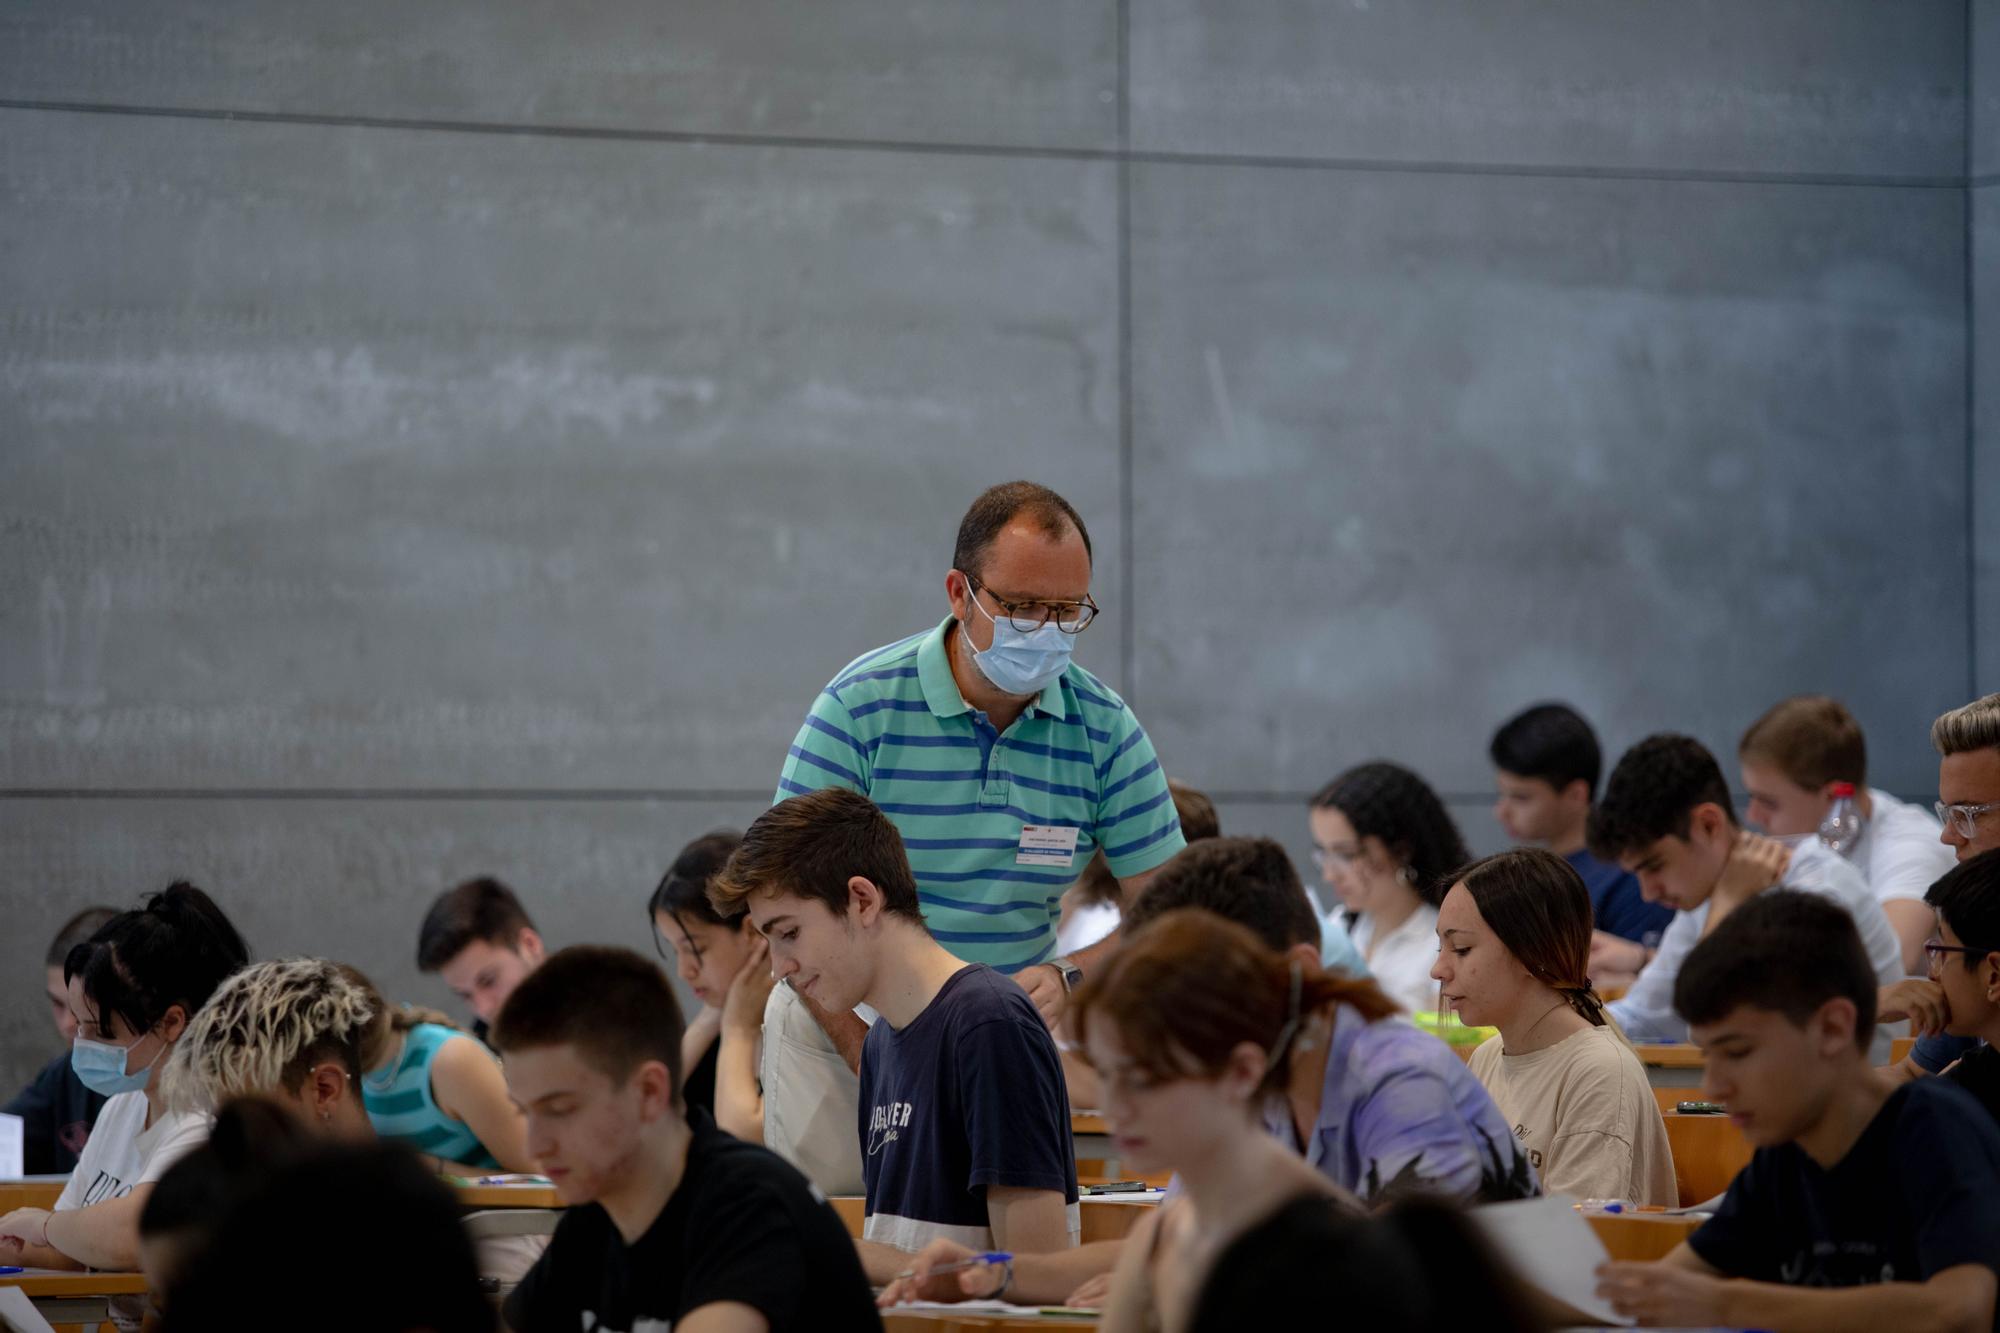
x,y
100,1066
1021,662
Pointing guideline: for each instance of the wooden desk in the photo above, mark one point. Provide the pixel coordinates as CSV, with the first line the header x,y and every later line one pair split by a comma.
x,y
507,1196
949,1321
30,1192
1708,1152
1102,1219
1676,1066
74,1300
1641,1236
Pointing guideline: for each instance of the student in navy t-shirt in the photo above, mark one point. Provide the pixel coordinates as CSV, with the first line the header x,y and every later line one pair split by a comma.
x,y
1867,1204
1546,765
964,1119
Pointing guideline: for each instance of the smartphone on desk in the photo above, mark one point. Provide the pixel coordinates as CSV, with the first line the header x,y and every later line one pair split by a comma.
x,y
1700,1108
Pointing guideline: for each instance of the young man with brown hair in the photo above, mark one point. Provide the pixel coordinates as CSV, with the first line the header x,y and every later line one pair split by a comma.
x,y
671,1222
963,1116
479,939
1794,759
1868,1204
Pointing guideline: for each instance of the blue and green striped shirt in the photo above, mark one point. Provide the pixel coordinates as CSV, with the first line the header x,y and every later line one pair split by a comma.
x,y
401,1106
893,726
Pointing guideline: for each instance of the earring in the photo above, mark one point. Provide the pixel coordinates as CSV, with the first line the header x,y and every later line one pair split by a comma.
x,y
326,1116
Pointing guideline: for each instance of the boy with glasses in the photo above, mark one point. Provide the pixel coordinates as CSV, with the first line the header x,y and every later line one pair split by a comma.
x,y
1868,1205
1965,963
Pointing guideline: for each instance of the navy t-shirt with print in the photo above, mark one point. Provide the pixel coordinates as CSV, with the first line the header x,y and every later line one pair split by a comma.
x,y
969,1095
1919,1192
1616,905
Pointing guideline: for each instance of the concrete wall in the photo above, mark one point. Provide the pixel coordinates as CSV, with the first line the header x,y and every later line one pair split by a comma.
x,y
461,439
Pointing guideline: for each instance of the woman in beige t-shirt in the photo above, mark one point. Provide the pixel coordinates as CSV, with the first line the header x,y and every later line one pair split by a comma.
x,y
1513,953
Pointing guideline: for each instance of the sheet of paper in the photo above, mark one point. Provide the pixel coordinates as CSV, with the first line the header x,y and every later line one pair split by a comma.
x,y
18,1315
1551,1246
972,1307
11,1147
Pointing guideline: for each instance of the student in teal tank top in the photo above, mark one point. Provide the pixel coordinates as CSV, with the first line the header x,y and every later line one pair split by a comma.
x,y
439,1090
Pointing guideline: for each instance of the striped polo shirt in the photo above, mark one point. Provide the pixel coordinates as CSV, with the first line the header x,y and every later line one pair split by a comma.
x,y
893,726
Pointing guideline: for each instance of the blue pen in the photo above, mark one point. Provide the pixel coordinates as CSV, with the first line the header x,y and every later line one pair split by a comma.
x,y
10,1268
959,1265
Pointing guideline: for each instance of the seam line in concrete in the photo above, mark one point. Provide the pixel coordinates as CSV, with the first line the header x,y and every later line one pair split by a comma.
x,y
1138,156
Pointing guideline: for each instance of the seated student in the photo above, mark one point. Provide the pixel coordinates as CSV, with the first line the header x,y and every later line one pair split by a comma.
x,y
772,1075
1666,817
1967,740
1868,1204
963,1111
295,1033
1384,842
671,1223
1513,945
433,1088
56,1110
1965,963
1793,758
251,1138
1546,766
1377,1106
479,939
1385,1269
709,951
1091,906
133,987
274,1259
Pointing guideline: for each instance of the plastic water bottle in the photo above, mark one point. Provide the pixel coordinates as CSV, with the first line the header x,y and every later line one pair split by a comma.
x,y
1841,828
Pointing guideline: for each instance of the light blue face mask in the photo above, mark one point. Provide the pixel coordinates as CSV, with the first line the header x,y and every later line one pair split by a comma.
x,y
1021,662
100,1066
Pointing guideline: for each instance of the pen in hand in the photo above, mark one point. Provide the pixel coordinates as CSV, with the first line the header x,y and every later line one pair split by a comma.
x,y
960,1265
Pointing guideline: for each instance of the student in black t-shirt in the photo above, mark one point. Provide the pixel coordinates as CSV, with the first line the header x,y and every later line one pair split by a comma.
x,y
1867,1205
964,1118
56,1110
1965,961
672,1223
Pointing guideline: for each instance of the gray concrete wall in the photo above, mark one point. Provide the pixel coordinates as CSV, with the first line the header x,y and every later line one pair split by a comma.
x,y
1983,330
461,441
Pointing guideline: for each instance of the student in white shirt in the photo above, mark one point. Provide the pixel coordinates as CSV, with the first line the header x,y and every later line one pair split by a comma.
x,y
1385,844
1666,817
133,988
1793,758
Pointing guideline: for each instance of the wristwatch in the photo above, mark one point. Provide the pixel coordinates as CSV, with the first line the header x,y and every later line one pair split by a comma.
x,y
1072,975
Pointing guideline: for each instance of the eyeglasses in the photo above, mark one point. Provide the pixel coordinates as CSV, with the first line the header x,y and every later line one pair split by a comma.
x,y
1937,949
1069,617
1964,818
1335,858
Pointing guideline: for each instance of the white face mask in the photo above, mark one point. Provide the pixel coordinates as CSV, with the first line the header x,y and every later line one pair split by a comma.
x,y
1021,662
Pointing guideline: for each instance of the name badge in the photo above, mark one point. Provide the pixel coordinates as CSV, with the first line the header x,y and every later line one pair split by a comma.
x,y
1047,846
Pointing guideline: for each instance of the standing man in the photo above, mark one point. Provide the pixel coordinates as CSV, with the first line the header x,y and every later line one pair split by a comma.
x,y
1002,763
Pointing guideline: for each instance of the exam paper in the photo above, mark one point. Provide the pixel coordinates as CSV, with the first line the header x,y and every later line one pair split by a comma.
x,y
18,1314
12,1147
1551,1246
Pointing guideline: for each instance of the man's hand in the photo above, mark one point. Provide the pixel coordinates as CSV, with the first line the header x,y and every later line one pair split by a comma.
x,y
1090,1296
1662,1294
24,1227
1614,956
978,1283
743,1006
1754,865
1920,1001
1044,985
